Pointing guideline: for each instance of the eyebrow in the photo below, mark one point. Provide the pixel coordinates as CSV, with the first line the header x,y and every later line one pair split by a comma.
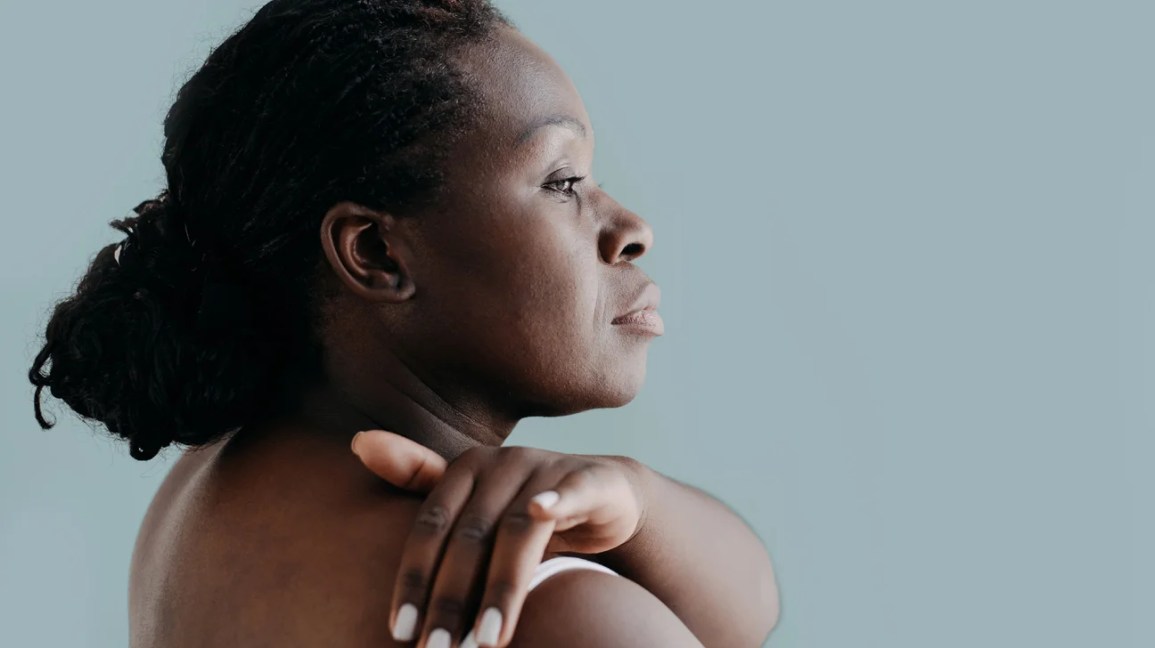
x,y
552,120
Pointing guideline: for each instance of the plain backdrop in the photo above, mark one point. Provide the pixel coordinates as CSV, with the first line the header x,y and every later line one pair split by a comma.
x,y
908,292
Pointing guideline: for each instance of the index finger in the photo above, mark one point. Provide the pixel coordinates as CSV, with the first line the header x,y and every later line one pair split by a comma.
x,y
400,461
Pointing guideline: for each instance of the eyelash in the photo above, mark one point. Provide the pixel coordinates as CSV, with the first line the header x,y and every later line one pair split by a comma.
x,y
569,193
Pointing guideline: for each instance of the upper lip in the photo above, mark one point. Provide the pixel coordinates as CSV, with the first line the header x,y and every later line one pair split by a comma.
x,y
648,299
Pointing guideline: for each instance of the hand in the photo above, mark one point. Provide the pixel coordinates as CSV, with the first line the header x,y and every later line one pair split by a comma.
x,y
488,519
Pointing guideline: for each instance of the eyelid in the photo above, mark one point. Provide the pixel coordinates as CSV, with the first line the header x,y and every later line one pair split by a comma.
x,y
572,179
561,173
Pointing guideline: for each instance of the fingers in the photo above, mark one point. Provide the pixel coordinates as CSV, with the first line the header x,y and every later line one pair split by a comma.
x,y
483,529
400,461
518,548
570,501
469,555
423,550
594,508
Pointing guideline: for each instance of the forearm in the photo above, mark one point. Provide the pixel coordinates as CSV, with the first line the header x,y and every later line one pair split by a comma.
x,y
700,559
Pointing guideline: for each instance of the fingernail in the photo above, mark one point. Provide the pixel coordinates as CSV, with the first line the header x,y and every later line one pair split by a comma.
x,y
468,641
406,623
353,444
439,638
490,631
546,499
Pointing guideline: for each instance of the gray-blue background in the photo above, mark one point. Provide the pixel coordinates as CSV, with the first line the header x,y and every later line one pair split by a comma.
x,y
904,247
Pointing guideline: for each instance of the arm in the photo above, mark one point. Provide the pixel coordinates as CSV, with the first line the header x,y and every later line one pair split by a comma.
x,y
701,560
583,609
694,554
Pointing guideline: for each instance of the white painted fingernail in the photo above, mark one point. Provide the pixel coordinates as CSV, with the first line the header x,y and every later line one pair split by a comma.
x,y
546,499
406,624
468,641
490,631
439,638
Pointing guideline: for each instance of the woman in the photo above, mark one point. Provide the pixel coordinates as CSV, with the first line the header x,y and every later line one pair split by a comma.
x,y
380,215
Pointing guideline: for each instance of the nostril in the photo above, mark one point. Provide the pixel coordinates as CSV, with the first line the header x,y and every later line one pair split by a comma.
x,y
633,250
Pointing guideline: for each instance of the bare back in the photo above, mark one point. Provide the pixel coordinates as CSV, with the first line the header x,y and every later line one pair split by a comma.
x,y
245,542
293,542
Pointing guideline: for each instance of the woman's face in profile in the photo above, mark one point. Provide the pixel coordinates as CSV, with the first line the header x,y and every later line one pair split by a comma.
x,y
520,270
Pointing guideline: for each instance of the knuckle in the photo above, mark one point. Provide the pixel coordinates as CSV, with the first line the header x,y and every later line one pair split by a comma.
x,y
593,473
590,469
582,476
433,520
517,452
448,611
526,456
518,521
414,579
474,528
474,455
501,591
627,463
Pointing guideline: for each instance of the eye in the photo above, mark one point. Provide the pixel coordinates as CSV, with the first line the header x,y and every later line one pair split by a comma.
x,y
564,186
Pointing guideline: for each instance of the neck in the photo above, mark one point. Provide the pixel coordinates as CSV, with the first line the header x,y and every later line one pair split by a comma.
x,y
388,395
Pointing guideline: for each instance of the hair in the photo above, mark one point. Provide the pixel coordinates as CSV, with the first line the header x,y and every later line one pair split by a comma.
x,y
204,318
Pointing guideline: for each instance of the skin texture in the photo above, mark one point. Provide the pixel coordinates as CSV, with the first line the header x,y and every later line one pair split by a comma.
x,y
479,528
447,327
499,301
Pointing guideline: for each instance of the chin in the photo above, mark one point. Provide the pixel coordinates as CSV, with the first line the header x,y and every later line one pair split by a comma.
x,y
604,393
623,386
624,394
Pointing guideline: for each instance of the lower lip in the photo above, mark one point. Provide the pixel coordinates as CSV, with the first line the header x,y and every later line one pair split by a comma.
x,y
644,321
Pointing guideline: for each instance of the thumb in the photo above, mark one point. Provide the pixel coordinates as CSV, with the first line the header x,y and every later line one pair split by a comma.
x,y
400,461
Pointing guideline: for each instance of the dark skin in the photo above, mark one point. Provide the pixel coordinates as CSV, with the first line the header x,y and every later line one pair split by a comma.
x,y
448,327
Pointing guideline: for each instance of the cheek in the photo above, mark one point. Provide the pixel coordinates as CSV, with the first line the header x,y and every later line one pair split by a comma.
x,y
553,292
545,301
520,303
527,281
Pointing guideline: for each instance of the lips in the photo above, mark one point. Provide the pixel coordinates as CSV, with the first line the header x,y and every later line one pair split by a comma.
x,y
643,314
641,317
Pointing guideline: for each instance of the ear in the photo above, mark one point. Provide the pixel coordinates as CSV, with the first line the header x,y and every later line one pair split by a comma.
x,y
367,252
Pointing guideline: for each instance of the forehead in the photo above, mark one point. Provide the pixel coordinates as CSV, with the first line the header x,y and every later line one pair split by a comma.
x,y
519,85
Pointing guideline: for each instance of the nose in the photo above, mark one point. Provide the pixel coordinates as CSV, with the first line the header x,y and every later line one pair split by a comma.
x,y
625,236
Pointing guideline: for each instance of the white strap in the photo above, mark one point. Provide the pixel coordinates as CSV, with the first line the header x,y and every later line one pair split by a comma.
x,y
564,563
543,571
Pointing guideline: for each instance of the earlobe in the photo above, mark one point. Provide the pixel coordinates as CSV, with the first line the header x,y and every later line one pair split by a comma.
x,y
367,253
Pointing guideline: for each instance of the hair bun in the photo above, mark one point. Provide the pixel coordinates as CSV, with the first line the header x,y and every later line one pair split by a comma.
x,y
206,316
158,229
155,343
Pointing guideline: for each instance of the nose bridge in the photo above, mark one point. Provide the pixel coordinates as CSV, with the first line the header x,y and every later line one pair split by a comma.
x,y
624,236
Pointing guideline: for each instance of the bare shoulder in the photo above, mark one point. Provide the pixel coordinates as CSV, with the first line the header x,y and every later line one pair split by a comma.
x,y
286,552
584,608
280,553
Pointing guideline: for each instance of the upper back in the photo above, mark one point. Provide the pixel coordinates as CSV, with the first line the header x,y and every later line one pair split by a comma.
x,y
295,543
250,543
